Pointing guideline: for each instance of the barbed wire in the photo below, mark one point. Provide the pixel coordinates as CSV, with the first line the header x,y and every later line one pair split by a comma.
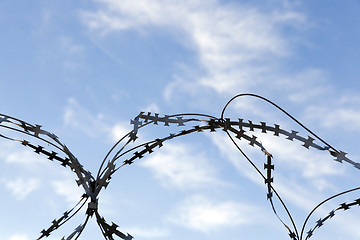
x,y
235,129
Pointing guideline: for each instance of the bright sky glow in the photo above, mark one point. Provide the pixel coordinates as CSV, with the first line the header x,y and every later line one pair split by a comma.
x,y
83,69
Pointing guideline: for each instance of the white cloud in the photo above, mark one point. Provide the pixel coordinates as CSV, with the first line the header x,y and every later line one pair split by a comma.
x,y
12,152
19,237
342,117
93,125
67,44
119,130
181,166
72,53
205,215
25,158
80,118
181,85
230,40
20,188
231,154
308,84
298,173
154,108
349,223
238,47
67,187
311,163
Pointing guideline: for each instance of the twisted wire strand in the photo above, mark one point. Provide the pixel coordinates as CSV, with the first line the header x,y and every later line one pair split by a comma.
x,y
335,153
273,189
64,218
323,202
281,109
122,147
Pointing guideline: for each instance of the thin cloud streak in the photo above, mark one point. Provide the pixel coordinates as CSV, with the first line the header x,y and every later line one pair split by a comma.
x,y
22,157
20,188
206,215
208,51
67,189
238,48
19,237
182,167
297,173
93,125
229,41
80,118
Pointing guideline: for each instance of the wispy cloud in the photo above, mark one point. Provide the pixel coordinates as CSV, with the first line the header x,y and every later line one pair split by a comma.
x,y
241,48
72,52
15,154
183,167
303,177
231,41
68,189
341,116
19,237
80,118
119,130
238,47
67,45
206,215
20,188
307,162
92,124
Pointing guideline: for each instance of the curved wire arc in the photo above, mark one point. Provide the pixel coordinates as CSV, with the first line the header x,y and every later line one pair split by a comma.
x,y
282,110
274,190
93,186
323,202
304,127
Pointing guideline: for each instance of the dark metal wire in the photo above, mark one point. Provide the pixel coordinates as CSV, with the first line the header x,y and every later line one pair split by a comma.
x,y
92,186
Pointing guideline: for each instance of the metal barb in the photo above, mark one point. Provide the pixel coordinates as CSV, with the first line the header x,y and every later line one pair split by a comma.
x,y
129,153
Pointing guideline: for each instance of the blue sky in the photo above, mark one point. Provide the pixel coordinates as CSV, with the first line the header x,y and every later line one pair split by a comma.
x,y
83,69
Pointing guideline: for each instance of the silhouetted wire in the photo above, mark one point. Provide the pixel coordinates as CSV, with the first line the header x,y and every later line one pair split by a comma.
x,y
281,109
93,186
323,202
83,227
118,155
86,198
308,130
27,133
278,196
